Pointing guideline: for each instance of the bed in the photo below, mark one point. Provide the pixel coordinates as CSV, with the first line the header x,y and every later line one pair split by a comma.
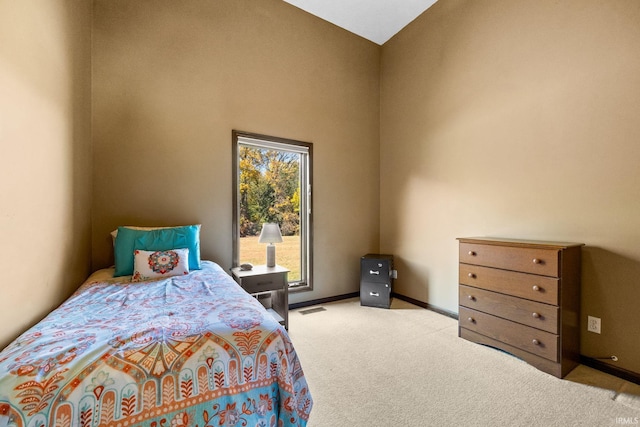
x,y
188,350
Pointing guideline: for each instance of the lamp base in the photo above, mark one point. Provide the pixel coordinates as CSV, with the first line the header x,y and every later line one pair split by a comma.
x,y
271,255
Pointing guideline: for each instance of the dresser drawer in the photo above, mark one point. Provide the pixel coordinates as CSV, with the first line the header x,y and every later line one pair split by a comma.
x,y
528,260
375,270
263,283
530,313
532,340
537,288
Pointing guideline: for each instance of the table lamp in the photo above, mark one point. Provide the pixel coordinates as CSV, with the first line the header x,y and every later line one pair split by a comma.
x,y
270,234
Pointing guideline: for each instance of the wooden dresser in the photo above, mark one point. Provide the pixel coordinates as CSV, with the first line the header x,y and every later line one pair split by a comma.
x,y
522,297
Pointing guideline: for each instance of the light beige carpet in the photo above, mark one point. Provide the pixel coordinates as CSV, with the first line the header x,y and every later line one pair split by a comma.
x,y
407,367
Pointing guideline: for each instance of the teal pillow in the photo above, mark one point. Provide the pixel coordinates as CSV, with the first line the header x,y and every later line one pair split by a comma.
x,y
160,239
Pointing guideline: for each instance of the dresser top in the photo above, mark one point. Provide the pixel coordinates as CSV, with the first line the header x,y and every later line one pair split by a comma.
x,y
520,243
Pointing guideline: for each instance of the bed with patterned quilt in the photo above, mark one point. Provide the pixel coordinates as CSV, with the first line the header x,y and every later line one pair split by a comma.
x,y
187,350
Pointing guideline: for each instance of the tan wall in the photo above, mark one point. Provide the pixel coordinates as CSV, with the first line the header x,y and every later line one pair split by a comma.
x,y
45,178
517,119
172,79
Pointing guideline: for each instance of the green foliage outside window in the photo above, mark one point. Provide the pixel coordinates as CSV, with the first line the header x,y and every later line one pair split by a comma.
x,y
269,190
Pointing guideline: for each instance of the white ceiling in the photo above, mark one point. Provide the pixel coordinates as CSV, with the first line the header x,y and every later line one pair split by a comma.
x,y
375,20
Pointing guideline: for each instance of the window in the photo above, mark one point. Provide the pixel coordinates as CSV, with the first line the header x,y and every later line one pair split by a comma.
x,y
272,183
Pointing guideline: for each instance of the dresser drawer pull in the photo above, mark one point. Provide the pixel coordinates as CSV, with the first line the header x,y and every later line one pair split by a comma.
x,y
537,261
264,283
472,253
471,320
374,294
536,288
473,276
471,298
535,342
374,272
535,315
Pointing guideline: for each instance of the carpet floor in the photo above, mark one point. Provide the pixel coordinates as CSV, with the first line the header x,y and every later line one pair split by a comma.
x,y
407,367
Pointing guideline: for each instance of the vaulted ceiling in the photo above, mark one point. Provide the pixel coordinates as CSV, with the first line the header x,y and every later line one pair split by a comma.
x,y
375,20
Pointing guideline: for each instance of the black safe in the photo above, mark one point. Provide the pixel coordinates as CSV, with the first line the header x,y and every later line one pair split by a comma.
x,y
376,280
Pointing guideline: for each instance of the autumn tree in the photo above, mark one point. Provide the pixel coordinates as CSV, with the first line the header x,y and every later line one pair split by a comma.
x,y
269,190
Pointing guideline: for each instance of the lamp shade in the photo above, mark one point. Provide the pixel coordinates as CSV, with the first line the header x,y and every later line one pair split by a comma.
x,y
270,233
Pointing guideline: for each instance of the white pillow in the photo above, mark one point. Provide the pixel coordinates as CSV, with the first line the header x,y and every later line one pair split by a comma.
x,y
149,265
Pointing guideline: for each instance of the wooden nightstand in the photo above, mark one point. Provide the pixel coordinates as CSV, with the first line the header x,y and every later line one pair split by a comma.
x,y
267,280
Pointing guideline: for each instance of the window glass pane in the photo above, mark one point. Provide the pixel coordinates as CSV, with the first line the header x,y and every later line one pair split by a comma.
x,y
270,191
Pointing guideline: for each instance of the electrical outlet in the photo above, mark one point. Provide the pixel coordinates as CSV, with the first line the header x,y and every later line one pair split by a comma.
x,y
594,324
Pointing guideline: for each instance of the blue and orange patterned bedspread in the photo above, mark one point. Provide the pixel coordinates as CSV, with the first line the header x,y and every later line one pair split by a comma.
x,y
194,350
